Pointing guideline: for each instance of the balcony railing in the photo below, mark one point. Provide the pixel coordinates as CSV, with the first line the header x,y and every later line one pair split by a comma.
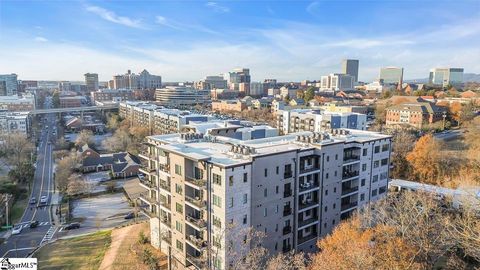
x,y
200,223
286,248
148,199
147,169
287,211
287,174
197,182
165,186
349,205
198,261
145,182
165,204
310,168
198,202
308,185
348,190
307,221
351,158
304,239
287,230
166,222
308,203
349,174
287,193
149,213
198,242
164,168
167,239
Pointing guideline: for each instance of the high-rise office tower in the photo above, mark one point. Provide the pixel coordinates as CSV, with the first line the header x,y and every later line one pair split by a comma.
x,y
10,84
91,81
350,67
391,75
446,76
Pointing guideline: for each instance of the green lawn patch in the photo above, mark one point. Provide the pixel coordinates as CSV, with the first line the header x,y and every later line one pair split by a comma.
x,y
83,252
17,210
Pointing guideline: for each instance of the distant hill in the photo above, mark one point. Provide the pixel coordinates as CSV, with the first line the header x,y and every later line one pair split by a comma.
x,y
467,77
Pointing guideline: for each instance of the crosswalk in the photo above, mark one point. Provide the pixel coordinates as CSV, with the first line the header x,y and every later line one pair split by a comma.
x,y
27,224
49,235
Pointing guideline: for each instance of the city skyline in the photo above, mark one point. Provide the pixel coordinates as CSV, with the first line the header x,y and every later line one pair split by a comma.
x,y
290,41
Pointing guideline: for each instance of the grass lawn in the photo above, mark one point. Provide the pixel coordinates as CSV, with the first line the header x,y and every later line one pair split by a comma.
x,y
17,209
83,252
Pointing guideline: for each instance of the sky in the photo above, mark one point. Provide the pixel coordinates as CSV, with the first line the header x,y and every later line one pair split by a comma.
x,y
187,40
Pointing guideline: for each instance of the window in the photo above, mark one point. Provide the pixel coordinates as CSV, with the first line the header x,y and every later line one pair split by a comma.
x,y
245,198
179,245
217,179
178,189
335,173
288,171
216,222
374,192
198,173
374,178
328,158
336,156
364,167
362,197
265,172
333,222
230,180
326,175
384,161
385,147
326,192
217,263
276,189
178,226
265,193
265,212
277,169
383,175
216,241
179,208
217,201
377,149
382,190
334,190
230,203
376,164
244,219
245,177
326,208
364,152
334,205
363,182
276,209
178,169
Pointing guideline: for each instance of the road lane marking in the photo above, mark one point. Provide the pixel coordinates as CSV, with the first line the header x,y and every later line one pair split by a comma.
x,y
17,249
43,179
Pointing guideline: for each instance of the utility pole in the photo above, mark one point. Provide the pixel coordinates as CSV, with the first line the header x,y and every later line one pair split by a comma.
x,y
6,207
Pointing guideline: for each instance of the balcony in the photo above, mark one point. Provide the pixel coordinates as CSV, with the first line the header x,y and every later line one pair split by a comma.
x,y
146,198
348,190
164,168
307,203
307,221
287,193
197,202
351,158
287,211
147,156
200,183
196,221
347,174
167,222
347,206
303,239
147,169
147,212
287,174
308,186
286,248
165,204
287,230
167,239
147,183
198,261
165,186
197,242
311,168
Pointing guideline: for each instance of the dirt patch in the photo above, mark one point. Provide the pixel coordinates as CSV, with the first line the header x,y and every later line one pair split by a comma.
x,y
123,252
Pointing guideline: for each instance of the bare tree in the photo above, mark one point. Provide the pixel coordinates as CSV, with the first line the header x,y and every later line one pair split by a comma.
x,y
84,137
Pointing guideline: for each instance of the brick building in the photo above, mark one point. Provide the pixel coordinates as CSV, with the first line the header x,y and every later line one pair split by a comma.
x,y
414,114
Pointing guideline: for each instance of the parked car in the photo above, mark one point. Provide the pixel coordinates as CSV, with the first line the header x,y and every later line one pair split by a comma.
x,y
16,230
72,226
34,224
43,199
33,201
130,215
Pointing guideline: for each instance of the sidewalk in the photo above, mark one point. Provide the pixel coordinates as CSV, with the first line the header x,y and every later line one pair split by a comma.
x,y
56,200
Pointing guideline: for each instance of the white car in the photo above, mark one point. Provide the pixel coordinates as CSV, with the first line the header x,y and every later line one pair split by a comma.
x,y
43,200
16,230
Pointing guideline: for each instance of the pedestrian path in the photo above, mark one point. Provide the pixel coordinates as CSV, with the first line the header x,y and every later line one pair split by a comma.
x,y
27,224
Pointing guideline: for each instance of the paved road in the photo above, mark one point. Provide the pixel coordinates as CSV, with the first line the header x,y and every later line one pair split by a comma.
x,y
449,135
22,244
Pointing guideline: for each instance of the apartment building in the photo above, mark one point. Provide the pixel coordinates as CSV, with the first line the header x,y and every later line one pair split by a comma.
x,y
336,82
181,96
417,115
114,95
158,119
203,191
295,120
241,130
15,122
16,103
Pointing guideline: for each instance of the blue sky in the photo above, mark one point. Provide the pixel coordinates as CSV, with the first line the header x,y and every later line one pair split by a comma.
x,y
186,40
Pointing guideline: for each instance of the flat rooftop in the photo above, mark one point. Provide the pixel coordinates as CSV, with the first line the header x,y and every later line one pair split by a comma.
x,y
217,149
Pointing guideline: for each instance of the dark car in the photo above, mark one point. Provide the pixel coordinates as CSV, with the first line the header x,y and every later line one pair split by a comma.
x,y
72,226
34,224
130,215
33,201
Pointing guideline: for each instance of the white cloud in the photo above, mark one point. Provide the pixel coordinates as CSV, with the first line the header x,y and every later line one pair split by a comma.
x,y
161,20
112,17
312,7
217,8
40,39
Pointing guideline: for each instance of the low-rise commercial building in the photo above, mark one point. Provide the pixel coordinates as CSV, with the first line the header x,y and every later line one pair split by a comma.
x,y
317,120
16,103
181,96
15,122
115,95
71,101
203,191
229,106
